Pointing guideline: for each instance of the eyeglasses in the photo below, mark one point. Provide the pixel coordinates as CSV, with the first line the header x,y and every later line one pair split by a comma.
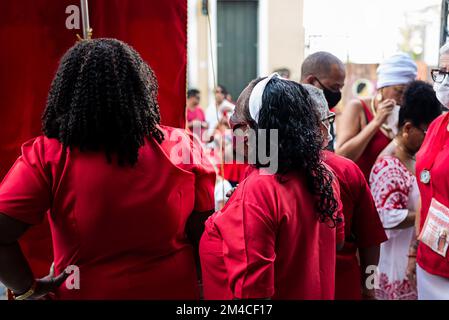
x,y
330,118
438,75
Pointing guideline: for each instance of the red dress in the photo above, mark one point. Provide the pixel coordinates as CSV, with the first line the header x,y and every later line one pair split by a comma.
x,y
268,242
374,147
123,227
363,227
434,156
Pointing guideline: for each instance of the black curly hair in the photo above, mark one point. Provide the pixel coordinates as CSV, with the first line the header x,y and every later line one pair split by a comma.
x,y
287,107
103,98
420,104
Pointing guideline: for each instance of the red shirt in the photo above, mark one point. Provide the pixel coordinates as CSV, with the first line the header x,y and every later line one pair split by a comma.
x,y
124,227
377,143
268,242
196,114
434,155
363,227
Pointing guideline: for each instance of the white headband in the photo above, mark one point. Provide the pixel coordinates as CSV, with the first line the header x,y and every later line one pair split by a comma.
x,y
255,99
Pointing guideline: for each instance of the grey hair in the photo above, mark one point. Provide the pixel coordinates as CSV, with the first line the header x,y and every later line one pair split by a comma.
x,y
444,49
318,99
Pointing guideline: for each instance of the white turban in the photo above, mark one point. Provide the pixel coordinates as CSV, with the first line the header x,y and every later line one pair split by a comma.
x,y
396,70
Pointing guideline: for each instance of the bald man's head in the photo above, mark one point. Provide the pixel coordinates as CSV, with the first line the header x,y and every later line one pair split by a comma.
x,y
320,64
326,72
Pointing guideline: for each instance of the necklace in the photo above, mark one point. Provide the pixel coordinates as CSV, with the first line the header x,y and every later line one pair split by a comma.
x,y
411,157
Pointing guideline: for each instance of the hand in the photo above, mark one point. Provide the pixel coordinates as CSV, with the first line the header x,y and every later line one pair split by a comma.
x,y
48,285
384,109
411,271
230,192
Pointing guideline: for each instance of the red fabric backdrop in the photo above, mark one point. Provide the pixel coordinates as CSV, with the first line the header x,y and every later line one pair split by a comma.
x,y
33,37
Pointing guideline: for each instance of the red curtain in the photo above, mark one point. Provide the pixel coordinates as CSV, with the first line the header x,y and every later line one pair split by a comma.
x,y
33,37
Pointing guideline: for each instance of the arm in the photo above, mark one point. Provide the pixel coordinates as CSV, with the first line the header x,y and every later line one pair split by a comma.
x,y
408,222
368,257
351,138
15,272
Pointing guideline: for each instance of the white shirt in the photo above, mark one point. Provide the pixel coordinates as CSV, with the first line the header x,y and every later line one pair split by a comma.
x,y
214,114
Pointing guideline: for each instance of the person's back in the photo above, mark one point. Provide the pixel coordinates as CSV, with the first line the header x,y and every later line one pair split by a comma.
x,y
291,234
124,227
363,229
126,195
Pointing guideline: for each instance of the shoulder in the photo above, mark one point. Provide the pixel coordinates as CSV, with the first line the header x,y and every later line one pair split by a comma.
x,y
388,169
344,168
356,105
43,149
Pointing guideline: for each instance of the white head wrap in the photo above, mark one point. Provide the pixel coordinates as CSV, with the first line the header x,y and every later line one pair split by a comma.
x,y
255,99
396,70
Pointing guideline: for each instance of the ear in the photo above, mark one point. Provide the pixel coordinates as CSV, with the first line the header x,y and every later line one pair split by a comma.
x,y
407,127
310,79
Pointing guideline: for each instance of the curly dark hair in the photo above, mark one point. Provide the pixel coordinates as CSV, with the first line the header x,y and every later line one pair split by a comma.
x,y
287,107
420,104
103,98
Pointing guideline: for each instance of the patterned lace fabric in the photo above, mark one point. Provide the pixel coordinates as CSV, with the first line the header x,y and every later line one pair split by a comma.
x,y
395,192
396,290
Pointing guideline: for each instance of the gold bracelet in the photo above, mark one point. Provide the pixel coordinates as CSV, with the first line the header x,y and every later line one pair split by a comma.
x,y
27,294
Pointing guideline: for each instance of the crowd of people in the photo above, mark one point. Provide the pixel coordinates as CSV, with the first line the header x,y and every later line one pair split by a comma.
x,y
357,208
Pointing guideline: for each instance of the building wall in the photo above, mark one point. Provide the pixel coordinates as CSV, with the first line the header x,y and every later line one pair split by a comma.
x,y
281,42
286,35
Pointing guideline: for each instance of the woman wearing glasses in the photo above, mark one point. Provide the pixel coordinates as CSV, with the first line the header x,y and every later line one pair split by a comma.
x,y
363,229
362,132
277,235
432,271
396,193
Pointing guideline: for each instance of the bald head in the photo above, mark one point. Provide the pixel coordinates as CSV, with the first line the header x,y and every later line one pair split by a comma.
x,y
320,64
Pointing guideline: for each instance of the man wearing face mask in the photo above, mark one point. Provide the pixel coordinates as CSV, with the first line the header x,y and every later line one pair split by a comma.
x,y
326,72
363,229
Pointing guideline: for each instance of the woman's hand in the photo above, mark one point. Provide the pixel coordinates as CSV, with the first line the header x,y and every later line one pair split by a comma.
x,y
384,110
48,285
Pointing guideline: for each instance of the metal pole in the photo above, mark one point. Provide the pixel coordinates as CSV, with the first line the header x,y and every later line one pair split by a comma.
x,y
85,15
443,27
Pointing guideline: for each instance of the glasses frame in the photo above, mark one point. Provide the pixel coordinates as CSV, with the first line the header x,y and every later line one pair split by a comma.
x,y
330,118
434,77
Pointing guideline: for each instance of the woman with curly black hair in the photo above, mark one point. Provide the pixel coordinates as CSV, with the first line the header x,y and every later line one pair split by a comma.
x,y
276,237
120,201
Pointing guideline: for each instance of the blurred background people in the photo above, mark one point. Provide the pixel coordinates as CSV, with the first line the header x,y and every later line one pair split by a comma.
x,y
363,229
278,229
97,168
395,190
326,72
432,271
283,72
195,114
219,110
361,132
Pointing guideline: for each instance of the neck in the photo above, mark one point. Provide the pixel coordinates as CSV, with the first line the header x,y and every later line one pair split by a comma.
x,y
402,151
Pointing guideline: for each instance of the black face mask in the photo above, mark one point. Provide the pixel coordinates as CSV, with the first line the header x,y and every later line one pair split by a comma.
x,y
332,97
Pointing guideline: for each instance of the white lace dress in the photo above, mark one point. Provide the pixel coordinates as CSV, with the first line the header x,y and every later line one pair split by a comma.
x,y
395,191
